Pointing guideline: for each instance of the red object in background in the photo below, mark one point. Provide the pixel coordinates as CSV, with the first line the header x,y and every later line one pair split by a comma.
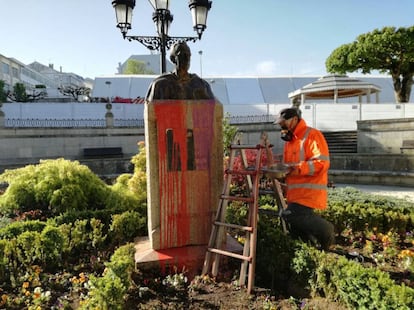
x,y
138,100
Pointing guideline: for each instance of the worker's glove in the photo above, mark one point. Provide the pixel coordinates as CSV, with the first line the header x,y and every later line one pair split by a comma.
x,y
293,170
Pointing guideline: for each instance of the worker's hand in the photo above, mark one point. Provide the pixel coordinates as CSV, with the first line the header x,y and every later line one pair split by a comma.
x,y
293,170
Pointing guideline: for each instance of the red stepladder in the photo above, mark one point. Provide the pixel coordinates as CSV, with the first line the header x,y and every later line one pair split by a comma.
x,y
249,174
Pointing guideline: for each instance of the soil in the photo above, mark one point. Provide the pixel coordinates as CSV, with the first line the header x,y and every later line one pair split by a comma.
x,y
226,296
204,292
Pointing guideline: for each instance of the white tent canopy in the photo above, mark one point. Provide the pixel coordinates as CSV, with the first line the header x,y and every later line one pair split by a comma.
x,y
334,87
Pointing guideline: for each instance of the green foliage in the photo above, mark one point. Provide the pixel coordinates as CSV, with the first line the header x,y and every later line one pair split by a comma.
x,y
349,208
3,260
52,186
105,293
389,50
138,183
229,134
71,216
83,235
122,262
127,226
28,248
52,242
3,96
20,92
108,291
274,252
359,287
122,199
14,229
134,66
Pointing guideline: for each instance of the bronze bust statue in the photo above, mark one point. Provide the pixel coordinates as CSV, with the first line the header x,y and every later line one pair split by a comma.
x,y
179,84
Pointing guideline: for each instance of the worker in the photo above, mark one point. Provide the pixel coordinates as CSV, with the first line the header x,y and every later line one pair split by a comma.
x,y
306,156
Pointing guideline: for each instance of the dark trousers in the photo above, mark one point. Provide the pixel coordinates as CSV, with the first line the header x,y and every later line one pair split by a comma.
x,y
305,224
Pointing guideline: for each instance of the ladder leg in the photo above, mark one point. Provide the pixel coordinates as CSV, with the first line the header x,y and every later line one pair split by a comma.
x,y
245,264
217,234
251,176
280,200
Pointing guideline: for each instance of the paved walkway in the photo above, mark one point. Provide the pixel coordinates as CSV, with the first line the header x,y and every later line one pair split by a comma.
x,y
395,191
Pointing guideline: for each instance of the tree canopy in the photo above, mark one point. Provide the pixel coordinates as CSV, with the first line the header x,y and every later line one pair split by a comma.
x,y
3,95
134,66
389,50
74,91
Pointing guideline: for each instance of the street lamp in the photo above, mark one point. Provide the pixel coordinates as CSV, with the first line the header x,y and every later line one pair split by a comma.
x,y
162,19
201,63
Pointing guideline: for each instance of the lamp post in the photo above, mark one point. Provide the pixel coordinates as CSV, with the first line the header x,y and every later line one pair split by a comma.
x,y
201,63
162,19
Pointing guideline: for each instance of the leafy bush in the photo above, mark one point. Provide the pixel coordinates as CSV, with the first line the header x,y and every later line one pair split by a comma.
x,y
122,262
349,208
52,242
108,291
83,235
138,182
357,286
127,226
229,134
52,186
14,229
274,252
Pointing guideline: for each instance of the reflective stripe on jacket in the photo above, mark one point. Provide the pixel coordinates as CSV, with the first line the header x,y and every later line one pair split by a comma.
x,y
309,150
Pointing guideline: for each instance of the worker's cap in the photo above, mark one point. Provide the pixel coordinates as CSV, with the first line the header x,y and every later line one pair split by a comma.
x,y
286,114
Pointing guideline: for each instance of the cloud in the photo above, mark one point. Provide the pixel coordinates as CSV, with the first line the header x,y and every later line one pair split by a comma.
x,y
267,67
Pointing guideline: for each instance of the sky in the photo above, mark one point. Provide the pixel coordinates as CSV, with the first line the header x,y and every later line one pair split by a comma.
x,y
243,37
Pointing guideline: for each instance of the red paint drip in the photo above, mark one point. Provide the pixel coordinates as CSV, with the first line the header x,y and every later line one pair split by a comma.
x,y
185,196
174,232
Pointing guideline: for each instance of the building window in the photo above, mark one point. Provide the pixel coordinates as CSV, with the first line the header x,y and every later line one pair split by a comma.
x,y
5,68
15,72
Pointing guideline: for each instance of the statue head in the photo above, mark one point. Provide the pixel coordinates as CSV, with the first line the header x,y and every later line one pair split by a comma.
x,y
180,55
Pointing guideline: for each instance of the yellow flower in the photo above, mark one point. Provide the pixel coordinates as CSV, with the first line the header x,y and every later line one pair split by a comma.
x,y
26,284
37,269
406,253
4,299
82,277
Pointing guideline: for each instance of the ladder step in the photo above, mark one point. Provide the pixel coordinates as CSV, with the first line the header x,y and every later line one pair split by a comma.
x,y
231,254
243,147
238,198
266,192
241,172
245,228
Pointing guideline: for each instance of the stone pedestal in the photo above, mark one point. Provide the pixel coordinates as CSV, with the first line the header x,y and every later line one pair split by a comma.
x,y
184,170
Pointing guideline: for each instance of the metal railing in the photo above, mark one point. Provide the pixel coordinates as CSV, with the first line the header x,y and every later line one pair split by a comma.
x,y
139,123
71,123
101,123
252,119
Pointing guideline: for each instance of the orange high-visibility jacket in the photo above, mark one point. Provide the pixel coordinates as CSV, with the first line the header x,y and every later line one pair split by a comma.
x,y
308,184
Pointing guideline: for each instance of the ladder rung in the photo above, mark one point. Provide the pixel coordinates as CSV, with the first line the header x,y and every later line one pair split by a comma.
x,y
237,198
241,172
245,146
245,228
266,192
227,253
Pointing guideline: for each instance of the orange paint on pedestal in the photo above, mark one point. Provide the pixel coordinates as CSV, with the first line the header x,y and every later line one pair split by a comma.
x,y
185,136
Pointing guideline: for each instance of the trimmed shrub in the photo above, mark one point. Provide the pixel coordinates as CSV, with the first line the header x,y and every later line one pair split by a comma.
x,y
52,186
